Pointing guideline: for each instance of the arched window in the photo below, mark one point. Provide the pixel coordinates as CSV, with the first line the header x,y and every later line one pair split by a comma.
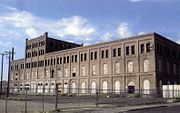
x,y
146,86
83,71
146,65
74,70
117,87
40,88
22,76
105,69
73,87
117,67
83,87
59,73
34,75
27,75
46,87
168,67
66,71
160,85
65,88
169,83
130,67
52,87
93,86
47,73
33,87
174,68
105,86
93,69
159,65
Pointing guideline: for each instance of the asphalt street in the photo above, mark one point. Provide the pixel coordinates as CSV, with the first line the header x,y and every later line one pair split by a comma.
x,y
163,109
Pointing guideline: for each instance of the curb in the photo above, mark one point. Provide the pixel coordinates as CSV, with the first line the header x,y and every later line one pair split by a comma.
x,y
147,108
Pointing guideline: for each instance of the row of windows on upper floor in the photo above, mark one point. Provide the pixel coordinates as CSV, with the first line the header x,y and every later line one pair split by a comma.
x,y
105,70
104,53
83,70
167,50
143,47
34,53
166,67
16,67
34,45
83,57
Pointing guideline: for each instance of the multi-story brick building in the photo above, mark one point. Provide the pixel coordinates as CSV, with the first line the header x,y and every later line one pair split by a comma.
x,y
131,64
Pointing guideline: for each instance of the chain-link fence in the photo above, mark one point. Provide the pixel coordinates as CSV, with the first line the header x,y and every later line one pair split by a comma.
x,y
171,91
42,99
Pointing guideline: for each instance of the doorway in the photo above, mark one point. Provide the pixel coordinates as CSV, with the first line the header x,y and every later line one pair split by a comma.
x,y
131,89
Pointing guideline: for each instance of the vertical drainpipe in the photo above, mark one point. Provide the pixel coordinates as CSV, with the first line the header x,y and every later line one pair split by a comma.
x,y
139,67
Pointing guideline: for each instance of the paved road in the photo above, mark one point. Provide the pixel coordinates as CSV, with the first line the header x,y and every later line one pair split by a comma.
x,y
164,109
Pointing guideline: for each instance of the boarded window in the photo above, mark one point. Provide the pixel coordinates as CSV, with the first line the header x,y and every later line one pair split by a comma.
x,y
105,66
130,67
105,86
93,86
146,86
146,65
117,67
117,87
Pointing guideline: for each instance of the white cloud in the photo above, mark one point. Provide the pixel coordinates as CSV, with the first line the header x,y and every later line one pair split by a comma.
x,y
31,32
178,41
18,25
29,25
107,37
123,30
7,8
76,26
141,33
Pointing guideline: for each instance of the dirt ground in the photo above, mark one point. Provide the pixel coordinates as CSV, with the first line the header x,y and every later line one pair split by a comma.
x,y
36,106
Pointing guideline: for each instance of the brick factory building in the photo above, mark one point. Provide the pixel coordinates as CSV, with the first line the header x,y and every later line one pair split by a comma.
x,y
137,64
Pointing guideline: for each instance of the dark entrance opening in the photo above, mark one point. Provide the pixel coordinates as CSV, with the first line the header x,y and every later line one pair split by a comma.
x,y
131,89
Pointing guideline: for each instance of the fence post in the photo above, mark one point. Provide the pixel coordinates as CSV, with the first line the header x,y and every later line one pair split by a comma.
x,y
56,99
43,99
25,107
111,96
97,98
173,92
6,105
78,95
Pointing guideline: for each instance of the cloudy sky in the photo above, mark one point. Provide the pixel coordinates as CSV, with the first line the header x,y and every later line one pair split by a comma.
x,y
85,21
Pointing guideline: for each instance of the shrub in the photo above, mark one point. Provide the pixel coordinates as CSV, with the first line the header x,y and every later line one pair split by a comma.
x,y
137,95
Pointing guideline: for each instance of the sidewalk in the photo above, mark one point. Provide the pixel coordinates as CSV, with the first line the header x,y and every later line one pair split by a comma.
x,y
114,109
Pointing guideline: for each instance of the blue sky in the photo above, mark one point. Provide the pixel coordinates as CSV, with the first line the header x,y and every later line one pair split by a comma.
x,y
85,21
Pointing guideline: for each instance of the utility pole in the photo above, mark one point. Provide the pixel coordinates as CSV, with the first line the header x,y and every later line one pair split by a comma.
x,y
1,73
9,53
2,64
12,58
